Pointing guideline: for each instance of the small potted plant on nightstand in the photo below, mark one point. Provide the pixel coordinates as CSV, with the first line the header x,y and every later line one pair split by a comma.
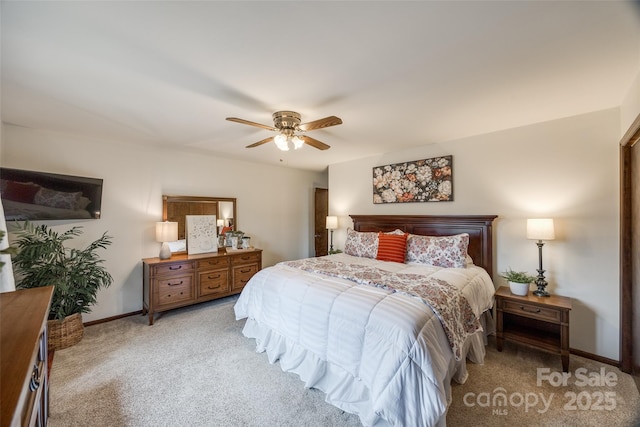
x,y
519,281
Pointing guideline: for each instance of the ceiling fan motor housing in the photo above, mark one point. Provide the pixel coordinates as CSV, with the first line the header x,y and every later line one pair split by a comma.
x,y
286,119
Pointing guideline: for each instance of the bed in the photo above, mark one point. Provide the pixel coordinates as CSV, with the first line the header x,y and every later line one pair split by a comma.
x,y
382,339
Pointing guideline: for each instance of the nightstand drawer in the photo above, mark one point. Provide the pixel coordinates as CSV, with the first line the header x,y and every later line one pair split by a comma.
x,y
533,311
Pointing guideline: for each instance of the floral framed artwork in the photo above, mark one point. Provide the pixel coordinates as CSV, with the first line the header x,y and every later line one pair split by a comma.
x,y
202,234
428,180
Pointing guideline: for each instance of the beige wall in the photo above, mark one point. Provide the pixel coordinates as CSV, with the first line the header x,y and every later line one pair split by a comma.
x,y
566,169
269,198
630,108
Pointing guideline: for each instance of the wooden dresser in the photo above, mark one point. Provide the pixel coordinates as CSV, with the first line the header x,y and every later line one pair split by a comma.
x,y
189,279
23,361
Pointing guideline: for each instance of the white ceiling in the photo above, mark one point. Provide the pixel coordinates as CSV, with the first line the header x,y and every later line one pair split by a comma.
x,y
399,74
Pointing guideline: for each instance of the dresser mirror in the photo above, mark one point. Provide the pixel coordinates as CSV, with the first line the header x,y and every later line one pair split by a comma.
x,y
174,208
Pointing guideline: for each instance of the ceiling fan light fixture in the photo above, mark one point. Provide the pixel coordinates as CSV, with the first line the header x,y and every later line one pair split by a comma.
x,y
281,142
297,142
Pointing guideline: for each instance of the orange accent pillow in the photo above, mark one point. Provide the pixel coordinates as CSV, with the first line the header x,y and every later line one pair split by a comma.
x,y
23,192
392,247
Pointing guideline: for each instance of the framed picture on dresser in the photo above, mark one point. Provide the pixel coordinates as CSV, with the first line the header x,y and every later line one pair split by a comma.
x,y
202,234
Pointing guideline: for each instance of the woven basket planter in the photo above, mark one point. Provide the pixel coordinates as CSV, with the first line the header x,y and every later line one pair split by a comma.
x,y
65,333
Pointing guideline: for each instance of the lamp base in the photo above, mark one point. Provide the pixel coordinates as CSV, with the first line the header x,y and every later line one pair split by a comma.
x,y
165,251
541,284
331,244
541,293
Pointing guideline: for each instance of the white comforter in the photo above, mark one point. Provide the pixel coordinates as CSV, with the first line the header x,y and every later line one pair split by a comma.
x,y
381,355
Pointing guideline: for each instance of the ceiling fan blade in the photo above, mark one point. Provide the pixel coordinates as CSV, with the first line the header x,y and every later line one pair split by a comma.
x,y
319,124
264,141
247,122
314,142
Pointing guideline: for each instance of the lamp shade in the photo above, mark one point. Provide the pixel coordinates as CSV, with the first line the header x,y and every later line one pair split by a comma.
x,y
281,142
220,222
166,231
540,229
332,222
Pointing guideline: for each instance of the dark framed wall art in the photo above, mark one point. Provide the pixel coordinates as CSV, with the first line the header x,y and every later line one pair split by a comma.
x,y
428,180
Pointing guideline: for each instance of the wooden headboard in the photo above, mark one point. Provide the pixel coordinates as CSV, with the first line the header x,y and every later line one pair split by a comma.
x,y
478,227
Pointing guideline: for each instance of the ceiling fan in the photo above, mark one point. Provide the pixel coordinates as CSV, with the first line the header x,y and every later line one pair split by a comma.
x,y
288,126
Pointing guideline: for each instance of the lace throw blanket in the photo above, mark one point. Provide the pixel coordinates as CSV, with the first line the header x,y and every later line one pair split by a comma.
x,y
446,301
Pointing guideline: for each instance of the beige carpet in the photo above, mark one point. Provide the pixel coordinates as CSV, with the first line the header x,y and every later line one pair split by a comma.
x,y
589,397
195,368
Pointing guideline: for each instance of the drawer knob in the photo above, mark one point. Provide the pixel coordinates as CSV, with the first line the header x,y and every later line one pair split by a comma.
x,y
529,311
217,276
175,284
175,267
245,271
34,383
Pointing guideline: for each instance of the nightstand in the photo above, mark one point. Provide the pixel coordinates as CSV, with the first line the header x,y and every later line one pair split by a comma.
x,y
542,322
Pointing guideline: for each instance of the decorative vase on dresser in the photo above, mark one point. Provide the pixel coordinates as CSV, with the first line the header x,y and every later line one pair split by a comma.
x,y
184,280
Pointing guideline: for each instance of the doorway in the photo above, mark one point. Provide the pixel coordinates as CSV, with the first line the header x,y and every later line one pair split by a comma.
x,y
320,229
630,252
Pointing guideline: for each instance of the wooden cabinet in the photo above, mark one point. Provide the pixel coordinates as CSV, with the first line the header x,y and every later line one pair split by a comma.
x,y
541,322
189,279
24,363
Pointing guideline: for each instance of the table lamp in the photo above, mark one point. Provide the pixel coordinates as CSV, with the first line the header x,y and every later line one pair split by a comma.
x,y
332,224
166,232
540,229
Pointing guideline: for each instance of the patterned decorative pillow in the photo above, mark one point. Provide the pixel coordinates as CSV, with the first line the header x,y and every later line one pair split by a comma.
x,y
56,199
392,247
361,244
440,251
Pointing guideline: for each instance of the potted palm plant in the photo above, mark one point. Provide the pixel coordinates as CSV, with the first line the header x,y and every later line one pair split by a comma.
x,y
77,275
519,281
